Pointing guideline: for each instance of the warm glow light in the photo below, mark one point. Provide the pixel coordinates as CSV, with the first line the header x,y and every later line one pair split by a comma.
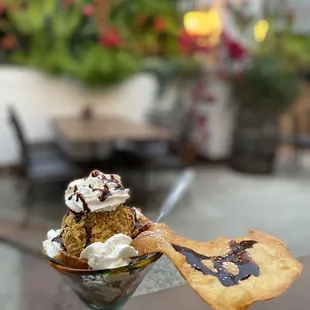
x,y
260,30
203,23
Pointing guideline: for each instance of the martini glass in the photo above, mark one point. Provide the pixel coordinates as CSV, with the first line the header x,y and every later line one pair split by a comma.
x,y
107,289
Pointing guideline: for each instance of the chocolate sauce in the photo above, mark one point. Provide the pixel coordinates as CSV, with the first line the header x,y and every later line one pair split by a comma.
x,y
95,173
238,256
119,185
80,196
77,215
144,227
88,235
105,192
75,188
139,228
58,239
77,218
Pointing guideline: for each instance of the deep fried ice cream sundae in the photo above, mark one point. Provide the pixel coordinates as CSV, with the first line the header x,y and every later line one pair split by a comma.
x,y
101,232
98,229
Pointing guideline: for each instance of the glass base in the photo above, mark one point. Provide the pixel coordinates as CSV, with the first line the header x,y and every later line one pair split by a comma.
x,y
114,306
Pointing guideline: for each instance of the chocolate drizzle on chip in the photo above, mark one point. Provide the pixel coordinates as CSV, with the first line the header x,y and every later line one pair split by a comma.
x,y
238,256
139,228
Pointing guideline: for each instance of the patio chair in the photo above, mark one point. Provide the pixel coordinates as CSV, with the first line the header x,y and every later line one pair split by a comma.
x,y
41,163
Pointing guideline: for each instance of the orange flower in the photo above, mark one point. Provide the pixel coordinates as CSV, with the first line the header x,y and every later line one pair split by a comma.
x,y
8,42
159,24
2,8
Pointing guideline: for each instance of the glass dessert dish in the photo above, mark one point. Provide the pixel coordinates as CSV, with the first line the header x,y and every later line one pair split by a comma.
x,y
92,249
110,288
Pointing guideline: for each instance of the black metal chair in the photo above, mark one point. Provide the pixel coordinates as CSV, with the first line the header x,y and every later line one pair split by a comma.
x,y
299,138
160,157
176,154
41,163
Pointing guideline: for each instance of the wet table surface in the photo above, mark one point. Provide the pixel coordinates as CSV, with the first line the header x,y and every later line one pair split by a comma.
x,y
184,298
30,283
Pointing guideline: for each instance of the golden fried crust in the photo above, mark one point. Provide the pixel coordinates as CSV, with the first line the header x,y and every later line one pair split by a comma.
x,y
100,227
72,261
278,269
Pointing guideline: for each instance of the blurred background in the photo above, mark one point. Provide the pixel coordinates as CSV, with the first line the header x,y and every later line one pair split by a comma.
x,y
147,89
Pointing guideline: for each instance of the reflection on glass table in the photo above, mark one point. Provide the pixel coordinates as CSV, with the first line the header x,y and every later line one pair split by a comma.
x,y
31,284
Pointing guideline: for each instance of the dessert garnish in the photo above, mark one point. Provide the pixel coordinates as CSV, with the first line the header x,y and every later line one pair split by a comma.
x,y
227,274
244,266
97,230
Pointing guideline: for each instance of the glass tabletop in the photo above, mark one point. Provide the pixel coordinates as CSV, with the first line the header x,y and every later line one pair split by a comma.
x,y
30,284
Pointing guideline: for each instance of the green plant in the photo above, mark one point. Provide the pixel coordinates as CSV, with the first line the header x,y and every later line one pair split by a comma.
x,y
269,84
96,42
265,87
291,48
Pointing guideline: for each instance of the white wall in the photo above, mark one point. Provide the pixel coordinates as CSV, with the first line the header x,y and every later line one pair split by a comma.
x,y
39,98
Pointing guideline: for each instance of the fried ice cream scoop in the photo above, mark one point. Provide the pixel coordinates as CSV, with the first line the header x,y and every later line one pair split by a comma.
x,y
79,231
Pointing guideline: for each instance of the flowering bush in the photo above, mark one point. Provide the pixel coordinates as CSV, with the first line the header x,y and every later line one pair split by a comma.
x,y
95,41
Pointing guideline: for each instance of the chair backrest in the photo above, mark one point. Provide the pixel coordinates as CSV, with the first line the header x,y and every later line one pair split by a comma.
x,y
17,127
178,121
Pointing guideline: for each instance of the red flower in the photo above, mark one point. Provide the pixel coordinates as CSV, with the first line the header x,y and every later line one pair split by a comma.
x,y
88,10
236,50
191,44
67,3
159,24
2,8
8,43
187,42
111,38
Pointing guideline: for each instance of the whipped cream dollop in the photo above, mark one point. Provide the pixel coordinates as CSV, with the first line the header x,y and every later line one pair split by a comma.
x,y
52,248
139,215
98,193
113,253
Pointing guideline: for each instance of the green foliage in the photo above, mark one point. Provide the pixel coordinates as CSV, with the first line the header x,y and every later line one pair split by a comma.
x,y
167,70
270,84
265,87
57,37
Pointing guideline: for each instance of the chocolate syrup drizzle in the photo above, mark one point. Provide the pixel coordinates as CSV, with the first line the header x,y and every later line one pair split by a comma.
x,y
139,228
238,256
88,235
80,196
105,192
77,218
58,239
